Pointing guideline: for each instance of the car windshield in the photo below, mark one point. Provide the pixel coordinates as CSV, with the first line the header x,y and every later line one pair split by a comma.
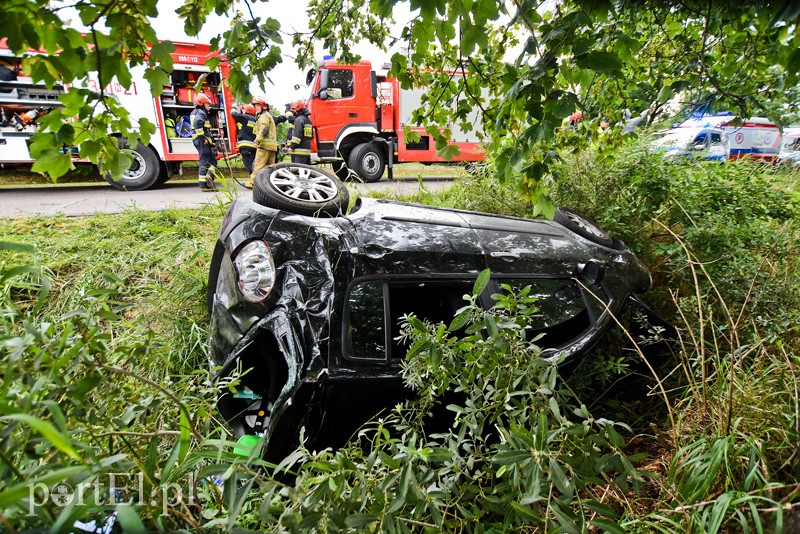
x,y
674,139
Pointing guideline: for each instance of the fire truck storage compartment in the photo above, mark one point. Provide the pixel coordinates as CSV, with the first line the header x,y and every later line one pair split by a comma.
x,y
21,103
177,101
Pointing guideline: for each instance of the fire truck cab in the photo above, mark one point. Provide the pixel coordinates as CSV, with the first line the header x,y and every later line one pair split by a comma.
x,y
22,101
358,117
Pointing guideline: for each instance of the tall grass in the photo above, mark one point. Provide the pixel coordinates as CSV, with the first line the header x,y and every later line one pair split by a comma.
x,y
722,241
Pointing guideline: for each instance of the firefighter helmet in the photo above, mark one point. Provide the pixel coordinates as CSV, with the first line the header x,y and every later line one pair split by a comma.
x,y
201,99
249,109
297,105
258,101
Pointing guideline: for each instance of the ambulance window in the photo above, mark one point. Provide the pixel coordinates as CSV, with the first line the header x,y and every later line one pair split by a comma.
x,y
341,79
716,139
700,139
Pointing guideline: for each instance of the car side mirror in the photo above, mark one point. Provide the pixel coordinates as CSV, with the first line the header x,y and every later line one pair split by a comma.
x,y
699,146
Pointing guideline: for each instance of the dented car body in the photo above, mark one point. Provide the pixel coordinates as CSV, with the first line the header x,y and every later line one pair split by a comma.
x,y
305,310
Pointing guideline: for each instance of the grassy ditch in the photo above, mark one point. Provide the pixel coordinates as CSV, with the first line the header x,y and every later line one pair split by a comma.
x,y
103,341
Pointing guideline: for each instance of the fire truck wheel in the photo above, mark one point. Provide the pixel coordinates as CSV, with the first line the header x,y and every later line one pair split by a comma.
x,y
142,174
163,174
301,189
368,161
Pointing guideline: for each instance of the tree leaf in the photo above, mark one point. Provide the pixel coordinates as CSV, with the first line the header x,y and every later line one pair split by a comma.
x,y
53,163
48,431
603,62
129,520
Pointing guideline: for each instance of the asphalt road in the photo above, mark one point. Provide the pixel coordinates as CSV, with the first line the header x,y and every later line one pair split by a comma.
x,y
75,201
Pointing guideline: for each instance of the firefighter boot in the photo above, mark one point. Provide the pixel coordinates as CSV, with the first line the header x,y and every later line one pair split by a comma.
x,y
207,184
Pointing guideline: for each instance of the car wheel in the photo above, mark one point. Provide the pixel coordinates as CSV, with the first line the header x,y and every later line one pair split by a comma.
x,y
143,172
368,161
300,189
583,226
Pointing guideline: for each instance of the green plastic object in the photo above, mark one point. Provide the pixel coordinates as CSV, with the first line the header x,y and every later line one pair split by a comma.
x,y
246,444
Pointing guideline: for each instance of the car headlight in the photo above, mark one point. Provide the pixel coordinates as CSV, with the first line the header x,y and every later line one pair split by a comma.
x,y
255,270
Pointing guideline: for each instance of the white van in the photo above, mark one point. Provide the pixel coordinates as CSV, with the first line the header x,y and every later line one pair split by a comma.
x,y
756,138
790,147
706,143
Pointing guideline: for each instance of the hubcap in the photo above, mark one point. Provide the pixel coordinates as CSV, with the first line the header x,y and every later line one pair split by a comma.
x,y
299,183
371,163
137,168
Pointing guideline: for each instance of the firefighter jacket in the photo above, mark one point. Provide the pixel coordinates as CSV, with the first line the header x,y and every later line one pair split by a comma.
x,y
246,129
201,127
301,135
169,123
266,133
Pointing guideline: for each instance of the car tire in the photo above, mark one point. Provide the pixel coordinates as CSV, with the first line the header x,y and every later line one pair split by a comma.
x,y
213,275
368,161
144,171
343,172
583,226
301,189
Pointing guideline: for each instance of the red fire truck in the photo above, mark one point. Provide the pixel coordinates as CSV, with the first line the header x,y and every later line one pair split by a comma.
x,y
22,101
359,116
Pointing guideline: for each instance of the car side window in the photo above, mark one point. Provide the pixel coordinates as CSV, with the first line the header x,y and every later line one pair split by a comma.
x,y
432,301
375,310
365,330
716,139
565,307
342,80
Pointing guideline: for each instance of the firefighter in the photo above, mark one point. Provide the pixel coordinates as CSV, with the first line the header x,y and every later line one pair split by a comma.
x,y
266,140
203,141
245,118
300,145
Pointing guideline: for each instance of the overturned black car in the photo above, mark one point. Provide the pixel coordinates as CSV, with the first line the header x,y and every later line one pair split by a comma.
x,y
305,309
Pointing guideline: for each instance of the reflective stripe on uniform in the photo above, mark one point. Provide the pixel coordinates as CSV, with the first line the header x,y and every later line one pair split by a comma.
x,y
200,132
269,144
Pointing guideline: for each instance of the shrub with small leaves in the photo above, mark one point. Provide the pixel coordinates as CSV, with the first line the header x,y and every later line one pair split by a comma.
x,y
519,450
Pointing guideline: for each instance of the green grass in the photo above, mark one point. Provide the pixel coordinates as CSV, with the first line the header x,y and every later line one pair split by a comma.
x,y
21,175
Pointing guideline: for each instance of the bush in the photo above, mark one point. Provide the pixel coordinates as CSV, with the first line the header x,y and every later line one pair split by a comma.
x,y
522,451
